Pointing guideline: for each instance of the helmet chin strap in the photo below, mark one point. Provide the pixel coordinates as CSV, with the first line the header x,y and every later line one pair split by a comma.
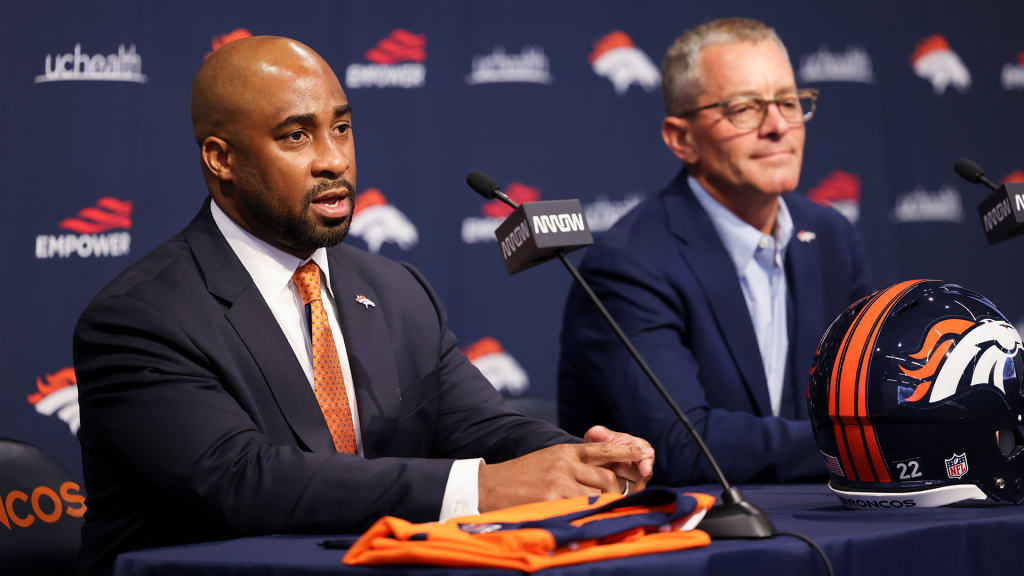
x,y
929,498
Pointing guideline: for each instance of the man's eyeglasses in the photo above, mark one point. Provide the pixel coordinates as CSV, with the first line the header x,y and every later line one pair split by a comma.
x,y
747,112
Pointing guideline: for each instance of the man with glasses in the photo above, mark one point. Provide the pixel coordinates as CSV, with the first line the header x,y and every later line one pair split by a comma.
x,y
723,281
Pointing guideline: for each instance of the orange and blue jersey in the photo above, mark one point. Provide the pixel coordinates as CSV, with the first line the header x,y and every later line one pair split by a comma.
x,y
544,534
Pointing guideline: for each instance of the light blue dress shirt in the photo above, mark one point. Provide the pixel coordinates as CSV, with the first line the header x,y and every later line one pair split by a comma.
x,y
759,261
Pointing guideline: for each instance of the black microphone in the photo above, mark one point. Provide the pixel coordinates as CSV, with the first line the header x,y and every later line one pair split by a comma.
x,y
733,517
535,232
1002,213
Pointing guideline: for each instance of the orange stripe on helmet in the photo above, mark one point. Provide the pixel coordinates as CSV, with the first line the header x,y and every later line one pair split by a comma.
x,y
848,407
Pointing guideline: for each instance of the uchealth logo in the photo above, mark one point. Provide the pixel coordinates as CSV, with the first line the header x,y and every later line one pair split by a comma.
x,y
377,222
840,190
601,214
221,39
124,66
1013,73
21,509
92,232
850,65
498,366
920,205
936,62
57,395
395,62
619,60
529,66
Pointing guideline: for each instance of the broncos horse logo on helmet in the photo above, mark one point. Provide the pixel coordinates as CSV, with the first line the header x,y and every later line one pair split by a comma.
x,y
915,396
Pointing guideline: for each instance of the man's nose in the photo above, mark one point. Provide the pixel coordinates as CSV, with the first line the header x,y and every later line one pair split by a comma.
x,y
331,158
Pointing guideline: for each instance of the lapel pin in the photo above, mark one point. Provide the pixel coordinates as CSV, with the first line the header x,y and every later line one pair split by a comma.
x,y
806,236
365,301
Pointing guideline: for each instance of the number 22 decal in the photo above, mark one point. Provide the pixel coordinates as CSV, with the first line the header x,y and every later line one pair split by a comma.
x,y
909,469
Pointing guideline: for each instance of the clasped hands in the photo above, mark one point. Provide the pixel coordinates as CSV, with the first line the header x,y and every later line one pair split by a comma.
x,y
605,462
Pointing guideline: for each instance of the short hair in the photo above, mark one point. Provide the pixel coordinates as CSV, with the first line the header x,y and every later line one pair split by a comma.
x,y
681,82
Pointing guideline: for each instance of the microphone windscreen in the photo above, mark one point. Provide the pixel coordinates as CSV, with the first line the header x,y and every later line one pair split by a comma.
x,y
968,170
482,183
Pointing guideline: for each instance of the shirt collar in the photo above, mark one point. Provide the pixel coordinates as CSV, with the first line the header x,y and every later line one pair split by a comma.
x,y
270,267
741,240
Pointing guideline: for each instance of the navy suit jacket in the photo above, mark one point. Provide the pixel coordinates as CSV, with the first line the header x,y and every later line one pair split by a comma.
x,y
665,275
198,422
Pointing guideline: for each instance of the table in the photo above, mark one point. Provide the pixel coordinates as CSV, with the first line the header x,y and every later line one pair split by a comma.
x,y
953,540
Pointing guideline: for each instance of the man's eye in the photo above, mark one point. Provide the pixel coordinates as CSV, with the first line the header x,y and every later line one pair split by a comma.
x,y
790,103
344,128
741,108
295,136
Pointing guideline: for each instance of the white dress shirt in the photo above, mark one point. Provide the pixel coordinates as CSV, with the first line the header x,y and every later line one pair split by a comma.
x,y
271,270
760,264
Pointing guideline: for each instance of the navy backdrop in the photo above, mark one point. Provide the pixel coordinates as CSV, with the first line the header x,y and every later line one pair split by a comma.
x,y
553,99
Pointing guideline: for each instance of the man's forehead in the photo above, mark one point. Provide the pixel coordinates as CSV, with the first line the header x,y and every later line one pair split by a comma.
x,y
745,68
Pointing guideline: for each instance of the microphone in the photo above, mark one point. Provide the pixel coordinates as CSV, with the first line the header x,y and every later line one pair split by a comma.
x,y
1002,213
733,517
536,231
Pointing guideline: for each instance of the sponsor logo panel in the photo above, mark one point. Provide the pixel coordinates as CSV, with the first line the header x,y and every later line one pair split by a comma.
x,y
79,65
498,366
619,60
936,62
377,222
840,190
396,61
530,65
851,65
95,237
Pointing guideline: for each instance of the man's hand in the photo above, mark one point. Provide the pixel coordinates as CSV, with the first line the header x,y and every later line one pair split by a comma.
x,y
638,472
566,471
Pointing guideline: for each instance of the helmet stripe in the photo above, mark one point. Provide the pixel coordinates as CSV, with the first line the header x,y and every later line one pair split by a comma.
x,y
848,407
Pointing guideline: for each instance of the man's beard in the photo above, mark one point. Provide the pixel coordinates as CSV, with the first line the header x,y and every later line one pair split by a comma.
x,y
294,230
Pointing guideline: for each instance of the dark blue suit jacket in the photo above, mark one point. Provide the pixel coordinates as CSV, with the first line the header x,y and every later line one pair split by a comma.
x,y
665,275
199,424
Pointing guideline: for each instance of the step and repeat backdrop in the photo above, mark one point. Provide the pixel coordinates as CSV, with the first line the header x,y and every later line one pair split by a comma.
x,y
553,99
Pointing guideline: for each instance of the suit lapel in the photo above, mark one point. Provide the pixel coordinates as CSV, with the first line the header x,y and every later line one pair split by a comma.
x,y
713,268
803,278
248,313
370,353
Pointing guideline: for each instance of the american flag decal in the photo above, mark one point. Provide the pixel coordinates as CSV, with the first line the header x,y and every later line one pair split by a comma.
x,y
833,465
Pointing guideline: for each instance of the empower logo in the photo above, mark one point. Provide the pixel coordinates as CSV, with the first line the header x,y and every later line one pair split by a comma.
x,y
93,238
851,65
529,66
395,62
920,205
217,41
840,190
498,366
619,60
125,66
377,222
936,62
1013,73
20,509
58,395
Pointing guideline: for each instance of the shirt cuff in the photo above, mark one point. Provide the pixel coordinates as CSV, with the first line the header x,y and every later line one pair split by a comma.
x,y
462,494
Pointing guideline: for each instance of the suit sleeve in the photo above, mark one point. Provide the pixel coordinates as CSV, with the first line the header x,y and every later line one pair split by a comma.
x,y
654,315
156,418
473,419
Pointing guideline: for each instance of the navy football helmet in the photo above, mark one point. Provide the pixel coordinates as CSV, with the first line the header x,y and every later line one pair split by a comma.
x,y
916,398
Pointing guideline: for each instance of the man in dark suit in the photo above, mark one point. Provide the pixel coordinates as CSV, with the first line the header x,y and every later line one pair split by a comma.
x,y
244,379
724,282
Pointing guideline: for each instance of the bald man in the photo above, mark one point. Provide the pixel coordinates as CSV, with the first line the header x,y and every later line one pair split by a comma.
x,y
252,375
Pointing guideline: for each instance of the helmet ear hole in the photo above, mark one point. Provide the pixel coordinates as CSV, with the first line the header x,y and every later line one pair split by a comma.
x,y
1006,439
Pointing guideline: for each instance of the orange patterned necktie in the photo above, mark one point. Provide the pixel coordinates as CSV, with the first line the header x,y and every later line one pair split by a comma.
x,y
328,379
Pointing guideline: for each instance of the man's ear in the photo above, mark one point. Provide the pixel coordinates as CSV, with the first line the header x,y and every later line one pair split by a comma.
x,y
216,157
678,136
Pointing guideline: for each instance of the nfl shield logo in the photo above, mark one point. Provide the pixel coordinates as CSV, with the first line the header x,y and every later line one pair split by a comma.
x,y
956,466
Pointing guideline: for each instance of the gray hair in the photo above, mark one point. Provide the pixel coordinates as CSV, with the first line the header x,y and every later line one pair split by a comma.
x,y
681,82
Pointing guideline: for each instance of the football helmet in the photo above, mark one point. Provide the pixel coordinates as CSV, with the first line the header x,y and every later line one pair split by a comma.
x,y
916,398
